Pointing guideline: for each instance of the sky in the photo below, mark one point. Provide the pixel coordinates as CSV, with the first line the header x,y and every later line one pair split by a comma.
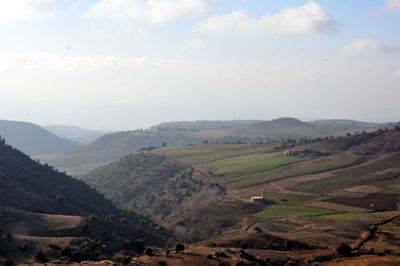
x,y
129,64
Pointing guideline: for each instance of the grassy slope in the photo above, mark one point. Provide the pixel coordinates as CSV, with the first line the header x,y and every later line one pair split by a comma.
x,y
282,211
352,177
242,165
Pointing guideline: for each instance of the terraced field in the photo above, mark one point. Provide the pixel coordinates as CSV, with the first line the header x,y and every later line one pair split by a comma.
x,y
283,211
365,174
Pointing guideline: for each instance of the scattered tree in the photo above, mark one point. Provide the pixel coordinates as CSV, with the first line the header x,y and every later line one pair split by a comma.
x,y
343,250
179,248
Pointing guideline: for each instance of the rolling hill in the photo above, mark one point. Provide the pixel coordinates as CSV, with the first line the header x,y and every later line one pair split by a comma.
x,y
112,147
320,194
75,133
203,124
33,139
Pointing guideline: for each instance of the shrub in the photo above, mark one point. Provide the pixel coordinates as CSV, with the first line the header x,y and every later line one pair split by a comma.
x,y
388,251
179,247
60,198
343,250
138,245
148,251
25,247
258,230
287,244
243,245
66,251
220,254
40,256
92,218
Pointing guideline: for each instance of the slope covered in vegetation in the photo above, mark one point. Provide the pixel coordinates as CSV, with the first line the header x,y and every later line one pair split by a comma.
x,y
152,185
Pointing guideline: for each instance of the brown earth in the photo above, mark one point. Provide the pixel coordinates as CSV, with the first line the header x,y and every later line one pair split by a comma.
x,y
368,260
375,202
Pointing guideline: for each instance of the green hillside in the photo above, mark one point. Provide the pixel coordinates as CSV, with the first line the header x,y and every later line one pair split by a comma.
x,y
112,147
151,185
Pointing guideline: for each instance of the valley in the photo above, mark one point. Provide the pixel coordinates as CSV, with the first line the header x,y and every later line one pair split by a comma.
x,y
317,194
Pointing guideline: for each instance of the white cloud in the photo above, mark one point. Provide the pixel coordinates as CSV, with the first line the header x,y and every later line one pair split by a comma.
x,y
367,46
150,11
397,73
50,62
195,44
20,10
310,18
391,5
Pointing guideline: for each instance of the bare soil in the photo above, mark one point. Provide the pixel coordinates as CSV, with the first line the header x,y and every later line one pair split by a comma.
x,y
375,202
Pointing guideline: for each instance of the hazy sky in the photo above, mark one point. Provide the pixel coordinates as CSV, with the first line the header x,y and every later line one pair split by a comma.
x,y
127,64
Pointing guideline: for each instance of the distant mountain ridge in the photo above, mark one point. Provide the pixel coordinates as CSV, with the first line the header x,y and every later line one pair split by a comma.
x,y
340,122
284,122
33,139
75,133
203,124
114,146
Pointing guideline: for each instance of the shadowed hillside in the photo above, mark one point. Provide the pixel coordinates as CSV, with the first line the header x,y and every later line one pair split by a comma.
x,y
32,139
28,185
46,215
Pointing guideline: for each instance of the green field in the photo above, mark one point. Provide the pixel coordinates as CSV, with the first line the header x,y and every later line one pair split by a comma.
x,y
209,153
352,177
254,170
283,211
347,216
243,165
289,198
332,163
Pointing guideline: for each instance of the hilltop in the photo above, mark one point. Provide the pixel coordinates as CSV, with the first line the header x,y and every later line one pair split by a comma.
x,y
75,133
33,139
285,122
203,124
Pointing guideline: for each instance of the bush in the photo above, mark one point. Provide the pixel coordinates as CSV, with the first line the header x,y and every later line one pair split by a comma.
x,y
343,250
179,248
92,218
66,251
148,251
287,244
243,245
221,254
40,256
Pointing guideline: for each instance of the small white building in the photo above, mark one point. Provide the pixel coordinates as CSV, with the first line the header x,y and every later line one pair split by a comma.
x,y
258,198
